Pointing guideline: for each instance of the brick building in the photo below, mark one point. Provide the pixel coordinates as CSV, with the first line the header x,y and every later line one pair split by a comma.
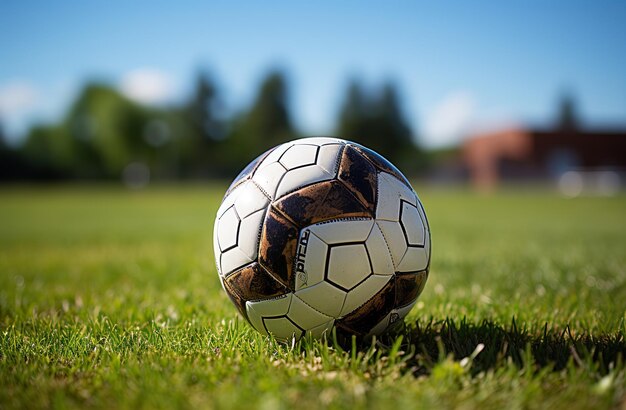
x,y
519,154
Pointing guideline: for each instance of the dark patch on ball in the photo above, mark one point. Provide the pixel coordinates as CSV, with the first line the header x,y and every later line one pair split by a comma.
x,y
254,283
238,301
359,175
408,287
363,319
277,247
321,202
381,163
247,172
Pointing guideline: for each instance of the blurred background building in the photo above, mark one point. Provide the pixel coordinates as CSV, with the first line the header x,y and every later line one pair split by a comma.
x,y
579,159
450,93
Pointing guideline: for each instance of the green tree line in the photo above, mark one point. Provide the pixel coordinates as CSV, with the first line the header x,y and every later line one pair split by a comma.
x,y
103,132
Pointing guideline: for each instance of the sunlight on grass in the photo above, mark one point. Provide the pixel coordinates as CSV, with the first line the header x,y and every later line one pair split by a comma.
x,y
110,298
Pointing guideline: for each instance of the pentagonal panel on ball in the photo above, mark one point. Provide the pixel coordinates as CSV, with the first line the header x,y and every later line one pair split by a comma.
x,y
328,158
324,329
300,177
282,328
347,265
228,229
266,309
324,297
392,232
299,155
237,239
379,253
230,198
250,199
231,260
412,225
274,155
249,232
305,315
268,177
415,259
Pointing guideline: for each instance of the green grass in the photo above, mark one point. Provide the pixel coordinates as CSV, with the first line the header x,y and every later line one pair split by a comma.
x,y
109,298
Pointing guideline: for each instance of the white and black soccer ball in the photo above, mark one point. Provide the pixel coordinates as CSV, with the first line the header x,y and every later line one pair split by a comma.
x,y
320,233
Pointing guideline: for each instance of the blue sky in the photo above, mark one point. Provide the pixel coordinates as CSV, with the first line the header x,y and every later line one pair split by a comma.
x,y
459,66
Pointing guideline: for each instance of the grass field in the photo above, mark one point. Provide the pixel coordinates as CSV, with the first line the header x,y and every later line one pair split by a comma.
x,y
110,298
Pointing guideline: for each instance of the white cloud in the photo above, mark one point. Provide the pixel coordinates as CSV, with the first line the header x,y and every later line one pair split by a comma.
x,y
450,119
19,102
17,98
147,86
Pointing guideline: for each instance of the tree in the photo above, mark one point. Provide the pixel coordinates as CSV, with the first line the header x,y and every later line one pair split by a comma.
x,y
202,110
395,135
101,134
269,116
202,130
567,117
266,124
377,122
11,164
353,116
48,153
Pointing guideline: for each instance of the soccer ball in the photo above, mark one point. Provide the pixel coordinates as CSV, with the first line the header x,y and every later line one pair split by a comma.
x,y
319,233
